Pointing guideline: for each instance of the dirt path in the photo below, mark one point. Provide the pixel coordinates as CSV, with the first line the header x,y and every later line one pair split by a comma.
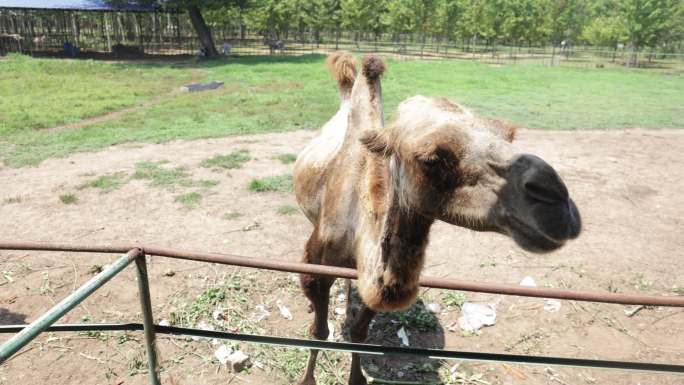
x,y
627,185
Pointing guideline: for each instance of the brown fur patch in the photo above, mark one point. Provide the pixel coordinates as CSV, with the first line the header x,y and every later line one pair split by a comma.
x,y
373,67
375,141
505,129
448,105
342,66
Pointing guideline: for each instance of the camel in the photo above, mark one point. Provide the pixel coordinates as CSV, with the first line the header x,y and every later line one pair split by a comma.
x,y
372,193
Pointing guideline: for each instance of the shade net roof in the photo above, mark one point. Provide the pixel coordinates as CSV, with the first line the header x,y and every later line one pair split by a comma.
x,y
77,5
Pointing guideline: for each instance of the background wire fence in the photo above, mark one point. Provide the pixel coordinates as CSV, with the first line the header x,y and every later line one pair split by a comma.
x,y
168,33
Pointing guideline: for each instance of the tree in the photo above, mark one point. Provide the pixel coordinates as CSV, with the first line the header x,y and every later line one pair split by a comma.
x,y
193,7
565,19
648,22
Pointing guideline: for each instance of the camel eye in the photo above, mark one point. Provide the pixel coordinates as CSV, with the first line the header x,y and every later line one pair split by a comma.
x,y
429,160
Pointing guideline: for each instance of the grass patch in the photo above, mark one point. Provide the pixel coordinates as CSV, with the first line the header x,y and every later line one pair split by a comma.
x,y
453,299
42,93
205,183
231,216
287,158
189,199
287,210
107,183
227,162
160,176
68,199
12,200
279,183
418,317
258,97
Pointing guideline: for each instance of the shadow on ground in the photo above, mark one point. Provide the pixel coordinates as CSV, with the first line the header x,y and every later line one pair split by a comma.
x,y
9,318
424,331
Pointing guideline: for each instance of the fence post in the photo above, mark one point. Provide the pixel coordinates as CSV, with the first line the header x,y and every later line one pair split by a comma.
x,y
148,321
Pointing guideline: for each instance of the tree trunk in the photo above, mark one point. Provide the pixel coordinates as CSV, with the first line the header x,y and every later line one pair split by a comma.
x,y
203,32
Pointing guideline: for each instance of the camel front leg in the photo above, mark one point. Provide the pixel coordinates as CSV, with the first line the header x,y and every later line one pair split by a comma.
x,y
358,333
317,289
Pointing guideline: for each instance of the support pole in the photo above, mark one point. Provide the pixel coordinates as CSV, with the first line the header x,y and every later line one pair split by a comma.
x,y
22,338
148,321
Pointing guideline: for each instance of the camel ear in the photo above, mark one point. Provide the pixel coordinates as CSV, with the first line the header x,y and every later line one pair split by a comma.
x,y
376,142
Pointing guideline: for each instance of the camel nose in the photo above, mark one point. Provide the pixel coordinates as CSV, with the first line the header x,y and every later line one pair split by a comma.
x,y
541,182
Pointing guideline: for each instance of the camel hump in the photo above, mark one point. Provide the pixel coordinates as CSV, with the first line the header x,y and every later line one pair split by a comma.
x,y
373,67
342,66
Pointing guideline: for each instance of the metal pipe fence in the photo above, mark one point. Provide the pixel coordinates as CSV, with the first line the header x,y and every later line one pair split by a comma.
x,y
46,322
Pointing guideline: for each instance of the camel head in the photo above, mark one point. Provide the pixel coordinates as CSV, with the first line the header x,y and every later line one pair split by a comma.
x,y
448,164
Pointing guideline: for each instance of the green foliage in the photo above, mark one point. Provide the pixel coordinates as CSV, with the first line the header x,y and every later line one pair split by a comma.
x,y
287,210
68,199
230,161
107,183
287,158
188,199
161,176
231,216
454,298
416,318
279,183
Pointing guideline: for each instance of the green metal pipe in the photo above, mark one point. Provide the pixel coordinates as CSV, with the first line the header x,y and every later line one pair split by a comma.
x,y
25,336
148,321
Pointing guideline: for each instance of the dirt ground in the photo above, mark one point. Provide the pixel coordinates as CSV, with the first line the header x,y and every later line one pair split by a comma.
x,y
627,185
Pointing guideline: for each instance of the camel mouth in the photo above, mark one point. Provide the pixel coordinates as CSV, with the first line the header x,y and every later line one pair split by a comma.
x,y
531,239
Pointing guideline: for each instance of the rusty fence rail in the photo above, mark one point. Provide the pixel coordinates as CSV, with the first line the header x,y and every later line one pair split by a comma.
x,y
137,253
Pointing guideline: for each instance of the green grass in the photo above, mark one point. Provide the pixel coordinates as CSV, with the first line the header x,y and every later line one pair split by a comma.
x,y
189,199
267,94
287,158
42,93
12,200
229,161
68,199
231,216
160,176
287,210
454,298
279,183
107,183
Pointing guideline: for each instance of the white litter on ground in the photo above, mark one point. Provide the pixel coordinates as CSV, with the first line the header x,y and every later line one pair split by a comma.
x,y
552,305
404,336
528,281
222,354
434,308
476,315
284,311
260,314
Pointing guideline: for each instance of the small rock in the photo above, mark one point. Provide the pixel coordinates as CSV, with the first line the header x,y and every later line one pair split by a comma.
x,y
434,308
169,273
339,311
164,322
528,281
238,361
552,305
218,315
222,354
